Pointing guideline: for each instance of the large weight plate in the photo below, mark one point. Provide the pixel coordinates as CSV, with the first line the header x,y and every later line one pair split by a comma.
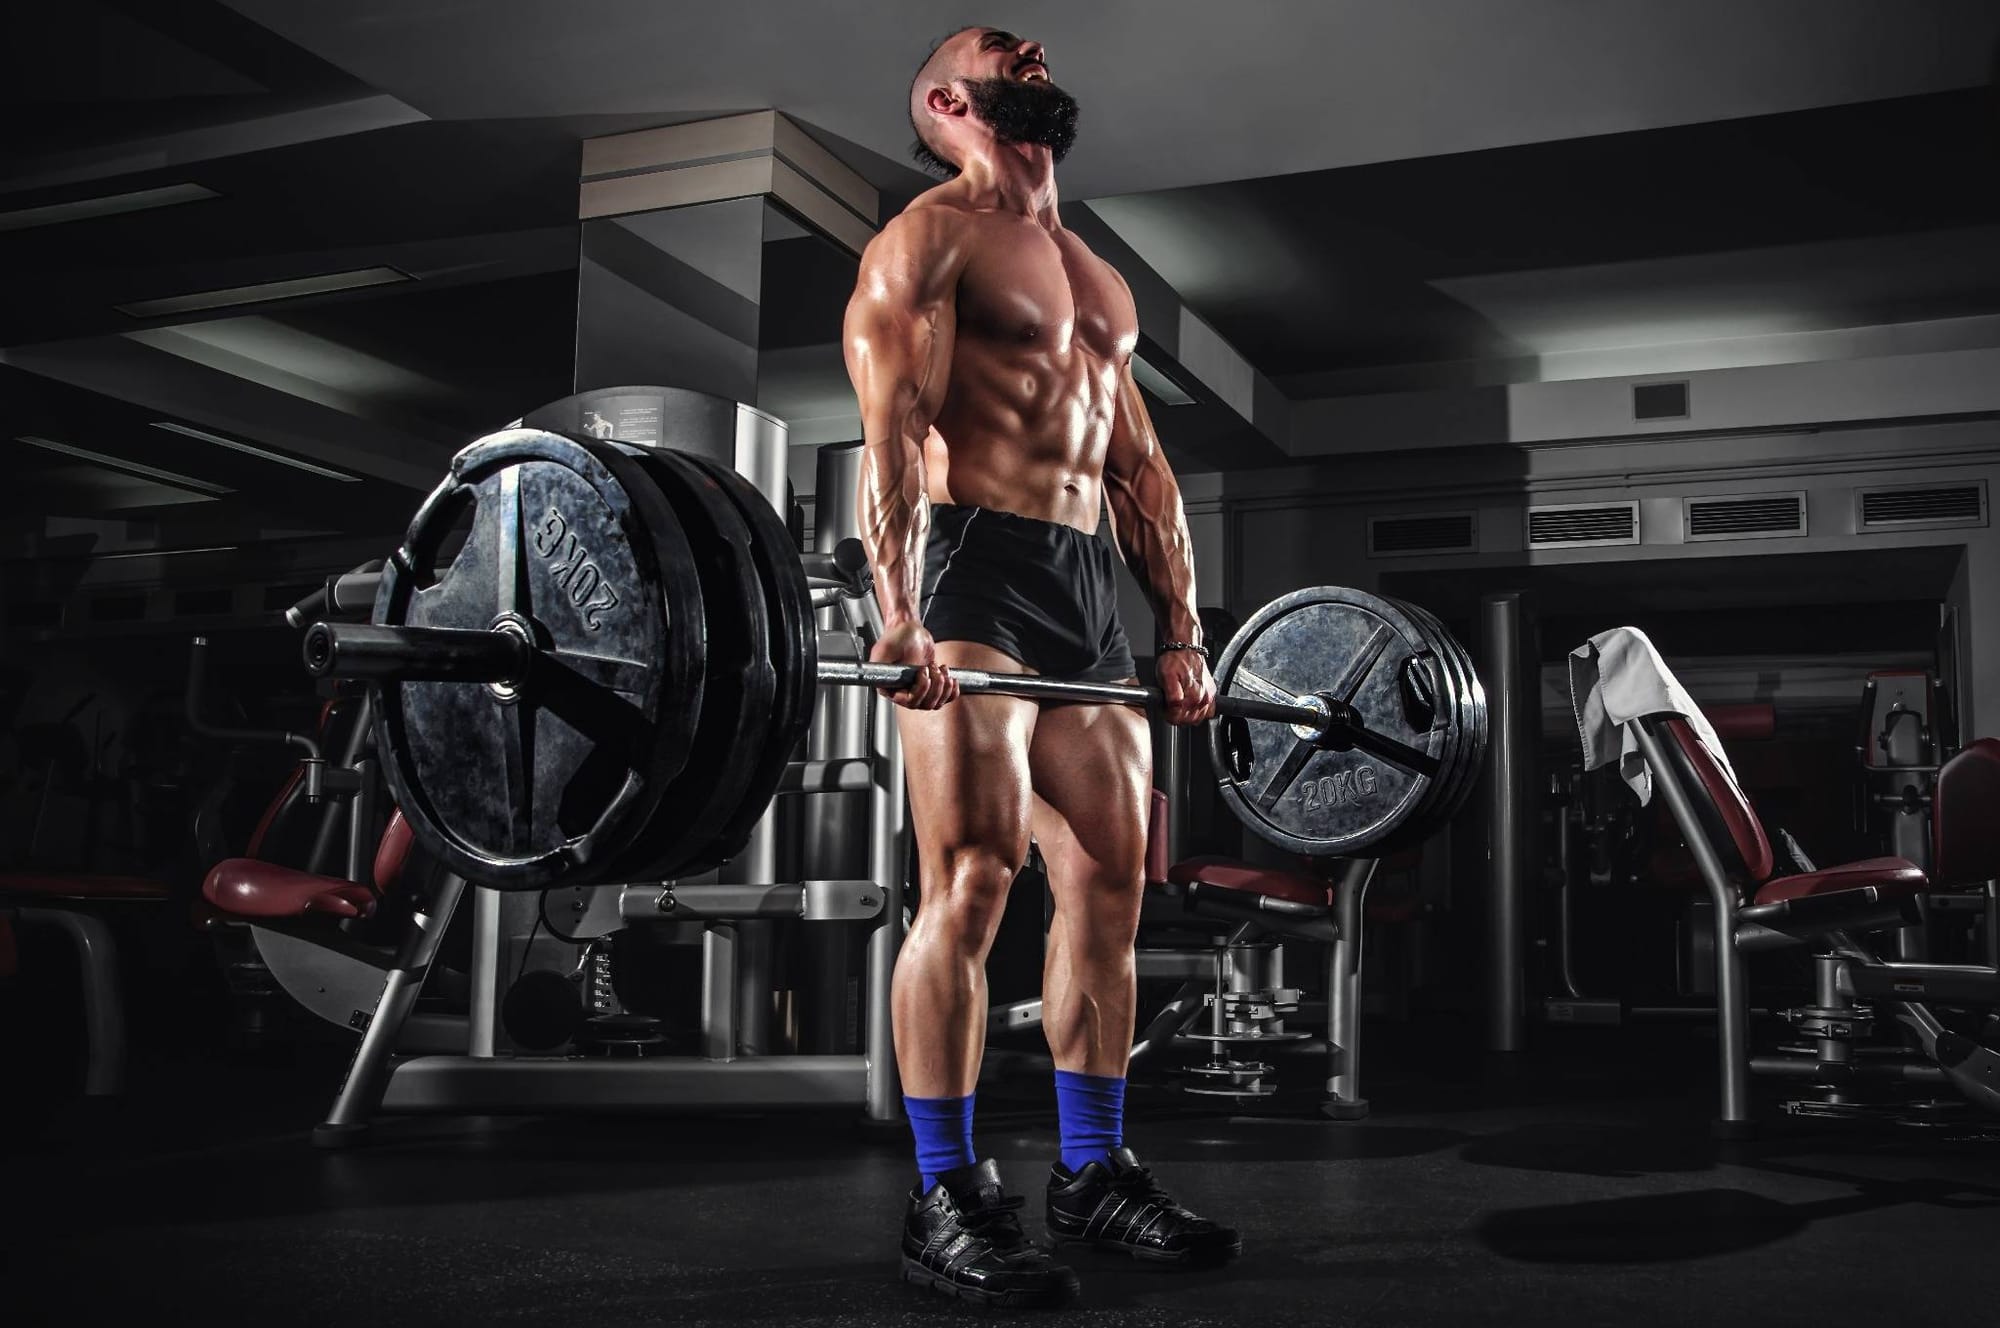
x,y
1446,669
1468,763
529,786
1476,724
794,650
1299,794
740,681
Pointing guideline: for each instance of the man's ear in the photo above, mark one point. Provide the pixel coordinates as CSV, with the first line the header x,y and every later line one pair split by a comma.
x,y
943,101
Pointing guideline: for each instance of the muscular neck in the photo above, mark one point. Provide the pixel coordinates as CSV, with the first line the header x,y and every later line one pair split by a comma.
x,y
1013,177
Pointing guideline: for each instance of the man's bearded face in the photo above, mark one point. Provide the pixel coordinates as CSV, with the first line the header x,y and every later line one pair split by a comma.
x,y
1032,111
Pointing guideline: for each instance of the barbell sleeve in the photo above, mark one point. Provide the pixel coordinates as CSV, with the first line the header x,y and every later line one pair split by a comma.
x,y
414,654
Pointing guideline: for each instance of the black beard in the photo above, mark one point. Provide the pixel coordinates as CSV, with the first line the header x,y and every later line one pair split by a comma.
x,y
1038,113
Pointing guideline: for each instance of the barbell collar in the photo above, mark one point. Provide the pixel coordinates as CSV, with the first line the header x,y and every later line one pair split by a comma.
x,y
375,653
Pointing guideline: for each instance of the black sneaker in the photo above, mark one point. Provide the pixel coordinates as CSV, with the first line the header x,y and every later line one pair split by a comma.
x,y
1120,1207
962,1239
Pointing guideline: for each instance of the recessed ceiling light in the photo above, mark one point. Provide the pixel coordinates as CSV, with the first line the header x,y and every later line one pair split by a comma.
x,y
165,553
1153,380
264,292
191,432
129,467
107,205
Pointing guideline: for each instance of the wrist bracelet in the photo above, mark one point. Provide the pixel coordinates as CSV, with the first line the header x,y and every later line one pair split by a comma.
x,y
1166,646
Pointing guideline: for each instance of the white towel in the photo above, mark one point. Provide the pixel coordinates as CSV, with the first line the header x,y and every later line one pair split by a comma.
x,y
1615,679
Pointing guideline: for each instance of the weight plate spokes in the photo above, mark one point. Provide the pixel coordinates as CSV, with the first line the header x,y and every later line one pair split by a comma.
x,y
524,784
1343,794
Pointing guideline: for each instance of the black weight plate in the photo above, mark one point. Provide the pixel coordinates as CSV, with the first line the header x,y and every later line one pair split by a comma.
x,y
1444,662
528,787
794,649
1473,708
740,684
1468,758
1309,797
1480,727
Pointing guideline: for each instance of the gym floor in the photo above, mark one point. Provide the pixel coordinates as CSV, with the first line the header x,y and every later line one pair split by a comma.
x,y
1574,1185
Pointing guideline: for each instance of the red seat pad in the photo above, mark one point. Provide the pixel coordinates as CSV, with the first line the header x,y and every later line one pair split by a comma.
x,y
247,888
392,854
1229,874
1751,719
1893,875
41,885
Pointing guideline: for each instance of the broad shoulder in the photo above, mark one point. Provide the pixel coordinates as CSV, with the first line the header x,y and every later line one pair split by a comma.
x,y
918,255
931,223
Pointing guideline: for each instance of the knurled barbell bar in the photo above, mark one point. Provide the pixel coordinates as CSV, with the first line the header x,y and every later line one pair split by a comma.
x,y
504,658
608,678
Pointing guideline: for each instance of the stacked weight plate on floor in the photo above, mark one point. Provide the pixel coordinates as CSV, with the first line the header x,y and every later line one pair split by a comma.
x,y
1407,753
672,678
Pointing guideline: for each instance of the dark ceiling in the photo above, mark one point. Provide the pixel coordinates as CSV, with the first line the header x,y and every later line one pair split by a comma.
x,y
1841,207
1335,269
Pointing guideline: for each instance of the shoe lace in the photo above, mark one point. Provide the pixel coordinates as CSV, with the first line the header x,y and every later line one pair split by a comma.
x,y
1138,1183
996,1221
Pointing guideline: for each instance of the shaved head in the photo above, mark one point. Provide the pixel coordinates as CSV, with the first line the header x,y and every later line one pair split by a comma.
x,y
939,68
1001,82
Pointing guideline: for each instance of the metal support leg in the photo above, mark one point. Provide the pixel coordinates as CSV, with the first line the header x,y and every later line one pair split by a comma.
x,y
1343,995
488,973
1732,1001
719,955
1173,1018
888,856
756,944
1991,929
368,1074
103,1006
1513,685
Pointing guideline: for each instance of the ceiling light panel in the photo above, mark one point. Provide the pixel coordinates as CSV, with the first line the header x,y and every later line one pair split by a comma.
x,y
107,205
129,467
263,293
250,449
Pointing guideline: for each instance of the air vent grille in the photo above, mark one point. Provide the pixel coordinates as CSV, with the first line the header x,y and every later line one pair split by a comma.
x,y
118,608
1932,505
1757,516
1660,401
1595,523
203,603
1432,532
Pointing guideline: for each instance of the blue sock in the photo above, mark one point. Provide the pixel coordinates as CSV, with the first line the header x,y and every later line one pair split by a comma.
x,y
1091,1111
943,1126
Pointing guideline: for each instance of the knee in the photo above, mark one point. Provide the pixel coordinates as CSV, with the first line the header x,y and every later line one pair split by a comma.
x,y
967,892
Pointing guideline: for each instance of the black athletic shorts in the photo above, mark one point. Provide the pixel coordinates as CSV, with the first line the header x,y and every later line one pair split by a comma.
x,y
1044,593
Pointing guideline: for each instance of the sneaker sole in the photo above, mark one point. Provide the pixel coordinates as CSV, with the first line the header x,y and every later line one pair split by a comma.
x,y
1192,1258
1061,1293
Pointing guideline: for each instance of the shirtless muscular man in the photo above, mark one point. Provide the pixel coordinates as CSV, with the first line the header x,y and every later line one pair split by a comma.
x,y
992,355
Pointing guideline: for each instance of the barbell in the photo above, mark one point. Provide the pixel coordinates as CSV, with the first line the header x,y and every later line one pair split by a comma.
x,y
609,678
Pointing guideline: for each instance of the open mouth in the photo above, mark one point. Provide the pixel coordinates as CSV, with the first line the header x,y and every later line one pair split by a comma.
x,y
1032,71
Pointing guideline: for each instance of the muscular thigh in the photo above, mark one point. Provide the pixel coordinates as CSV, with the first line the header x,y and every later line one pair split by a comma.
x,y
1092,769
967,766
